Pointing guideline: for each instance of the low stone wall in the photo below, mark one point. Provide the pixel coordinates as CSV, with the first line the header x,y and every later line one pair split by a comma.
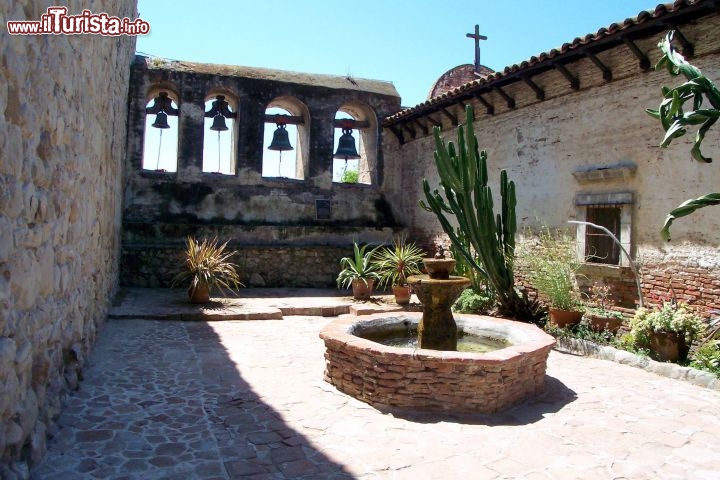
x,y
390,377
269,266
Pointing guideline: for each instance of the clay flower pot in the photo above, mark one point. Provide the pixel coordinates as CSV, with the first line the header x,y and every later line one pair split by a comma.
x,y
362,290
601,323
669,346
402,294
199,294
564,318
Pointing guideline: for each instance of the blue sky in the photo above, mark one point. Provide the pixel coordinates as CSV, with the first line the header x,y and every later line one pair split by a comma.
x,y
410,43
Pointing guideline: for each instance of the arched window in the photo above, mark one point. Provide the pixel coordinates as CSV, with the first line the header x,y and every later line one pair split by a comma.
x,y
286,139
160,147
355,139
219,137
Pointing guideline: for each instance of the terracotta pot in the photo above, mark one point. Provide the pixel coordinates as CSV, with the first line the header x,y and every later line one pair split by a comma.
x,y
402,294
599,323
360,290
200,294
564,318
669,346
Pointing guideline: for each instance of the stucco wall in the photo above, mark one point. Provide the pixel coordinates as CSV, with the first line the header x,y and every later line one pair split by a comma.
x,y
541,144
62,139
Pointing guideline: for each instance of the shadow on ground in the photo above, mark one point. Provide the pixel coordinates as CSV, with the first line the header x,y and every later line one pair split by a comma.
x,y
163,400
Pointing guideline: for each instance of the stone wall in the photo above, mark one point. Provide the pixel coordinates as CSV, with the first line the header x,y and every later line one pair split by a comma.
x,y
549,146
289,231
62,140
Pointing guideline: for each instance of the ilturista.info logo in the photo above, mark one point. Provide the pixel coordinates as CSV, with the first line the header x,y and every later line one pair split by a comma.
x,y
57,22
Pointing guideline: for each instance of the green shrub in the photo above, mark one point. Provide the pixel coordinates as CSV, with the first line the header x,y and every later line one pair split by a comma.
x,y
471,302
670,318
350,176
707,357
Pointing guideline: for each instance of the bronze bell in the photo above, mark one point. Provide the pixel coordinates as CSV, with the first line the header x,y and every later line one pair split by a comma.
x,y
280,140
218,123
161,120
346,146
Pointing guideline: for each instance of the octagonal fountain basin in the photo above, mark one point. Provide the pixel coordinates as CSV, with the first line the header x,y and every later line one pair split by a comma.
x,y
392,377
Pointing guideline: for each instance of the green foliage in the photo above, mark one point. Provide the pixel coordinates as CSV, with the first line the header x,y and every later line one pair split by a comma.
x,y
358,267
675,120
350,176
581,332
207,263
471,302
670,318
551,266
467,199
707,357
396,263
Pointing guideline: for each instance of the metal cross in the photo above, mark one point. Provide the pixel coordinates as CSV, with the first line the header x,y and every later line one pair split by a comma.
x,y
477,38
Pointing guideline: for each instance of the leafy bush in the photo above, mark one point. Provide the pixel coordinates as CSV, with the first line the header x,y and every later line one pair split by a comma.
x,y
707,357
670,318
208,264
350,176
470,301
552,265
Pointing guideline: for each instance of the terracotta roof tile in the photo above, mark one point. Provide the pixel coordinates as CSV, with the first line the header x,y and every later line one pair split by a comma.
x,y
565,49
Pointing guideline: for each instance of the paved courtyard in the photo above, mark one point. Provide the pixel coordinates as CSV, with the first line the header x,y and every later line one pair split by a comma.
x,y
165,399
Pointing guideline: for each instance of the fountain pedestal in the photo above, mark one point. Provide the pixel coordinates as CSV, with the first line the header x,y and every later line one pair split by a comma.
x,y
437,329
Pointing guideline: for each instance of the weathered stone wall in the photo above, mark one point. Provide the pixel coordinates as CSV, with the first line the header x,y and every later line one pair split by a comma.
x,y
603,124
62,139
251,211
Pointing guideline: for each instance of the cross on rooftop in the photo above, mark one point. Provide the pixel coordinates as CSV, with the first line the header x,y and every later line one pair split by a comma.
x,y
477,38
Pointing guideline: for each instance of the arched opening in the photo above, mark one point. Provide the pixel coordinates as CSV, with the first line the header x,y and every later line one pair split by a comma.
x,y
355,140
219,137
286,139
160,141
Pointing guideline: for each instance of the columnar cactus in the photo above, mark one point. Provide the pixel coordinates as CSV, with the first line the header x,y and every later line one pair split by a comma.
x,y
468,198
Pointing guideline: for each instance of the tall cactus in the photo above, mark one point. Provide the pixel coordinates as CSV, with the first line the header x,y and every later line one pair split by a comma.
x,y
468,198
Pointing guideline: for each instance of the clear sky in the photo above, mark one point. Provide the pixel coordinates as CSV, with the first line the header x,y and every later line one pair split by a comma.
x,y
407,42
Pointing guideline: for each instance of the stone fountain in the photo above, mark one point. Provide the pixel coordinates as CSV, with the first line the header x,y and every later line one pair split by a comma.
x,y
433,375
437,291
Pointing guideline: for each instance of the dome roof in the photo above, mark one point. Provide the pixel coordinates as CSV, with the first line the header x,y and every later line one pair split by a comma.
x,y
457,76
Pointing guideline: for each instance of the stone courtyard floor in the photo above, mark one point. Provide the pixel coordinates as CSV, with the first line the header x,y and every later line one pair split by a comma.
x,y
171,399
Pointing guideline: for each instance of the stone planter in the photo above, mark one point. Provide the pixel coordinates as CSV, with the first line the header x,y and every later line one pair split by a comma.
x,y
402,294
601,323
564,318
361,290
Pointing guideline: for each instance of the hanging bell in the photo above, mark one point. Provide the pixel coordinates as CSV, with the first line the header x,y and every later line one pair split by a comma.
x,y
280,140
218,123
346,146
161,120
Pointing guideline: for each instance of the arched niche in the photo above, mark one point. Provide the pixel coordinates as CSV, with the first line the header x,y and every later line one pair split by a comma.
x,y
160,137
365,133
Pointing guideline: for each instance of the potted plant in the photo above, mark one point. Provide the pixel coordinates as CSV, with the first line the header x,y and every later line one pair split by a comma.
x,y
206,266
359,272
597,315
668,331
395,264
551,267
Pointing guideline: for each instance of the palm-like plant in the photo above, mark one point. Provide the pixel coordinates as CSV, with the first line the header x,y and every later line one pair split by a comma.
x,y
207,265
358,267
398,262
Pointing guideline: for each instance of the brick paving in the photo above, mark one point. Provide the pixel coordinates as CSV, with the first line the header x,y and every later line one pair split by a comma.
x,y
169,399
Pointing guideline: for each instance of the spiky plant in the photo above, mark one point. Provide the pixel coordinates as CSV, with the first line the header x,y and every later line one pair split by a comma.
x,y
467,198
208,264
358,267
675,120
398,262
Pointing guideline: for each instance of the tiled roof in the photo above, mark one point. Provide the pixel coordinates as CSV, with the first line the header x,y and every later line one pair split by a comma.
x,y
604,36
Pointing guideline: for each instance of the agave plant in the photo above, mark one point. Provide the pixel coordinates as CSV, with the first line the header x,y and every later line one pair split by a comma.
x,y
398,262
207,265
675,120
358,267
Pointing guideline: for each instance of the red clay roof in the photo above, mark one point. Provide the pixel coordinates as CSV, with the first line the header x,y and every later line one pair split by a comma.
x,y
614,29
